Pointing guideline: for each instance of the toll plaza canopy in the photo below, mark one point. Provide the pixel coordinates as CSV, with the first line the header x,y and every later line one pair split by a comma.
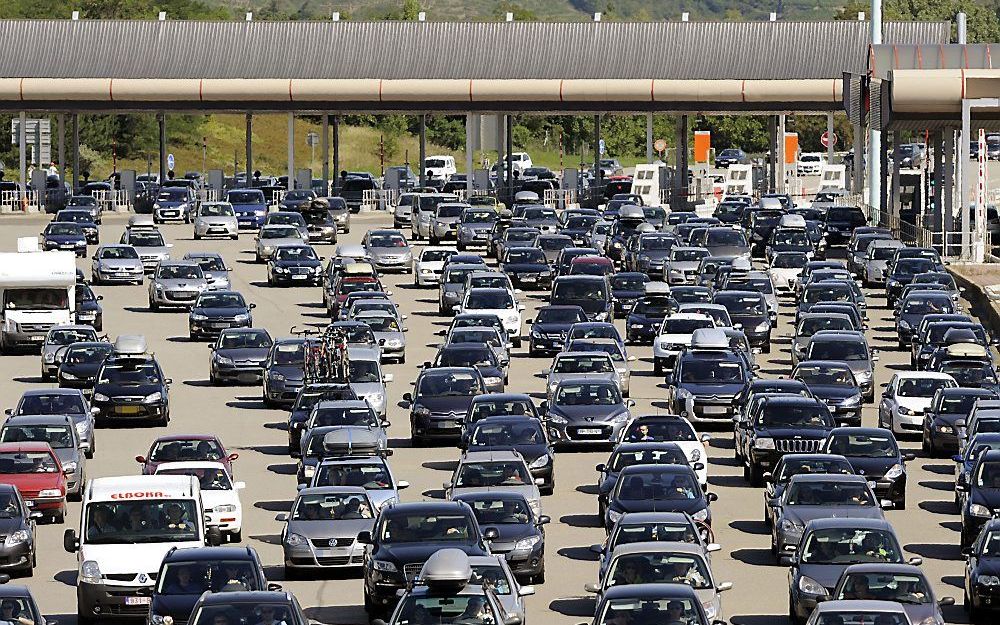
x,y
387,66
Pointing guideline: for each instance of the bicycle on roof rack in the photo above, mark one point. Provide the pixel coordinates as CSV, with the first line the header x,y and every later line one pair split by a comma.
x,y
325,356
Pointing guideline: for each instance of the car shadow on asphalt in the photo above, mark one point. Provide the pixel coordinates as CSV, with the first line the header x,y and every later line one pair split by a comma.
x,y
274,506
146,309
956,581
447,465
758,557
728,481
198,383
758,528
584,554
66,577
270,539
939,469
574,606
938,485
955,526
277,425
29,379
283,468
935,551
433,493
725,461
759,619
267,450
247,403
938,507
587,489
337,614
580,520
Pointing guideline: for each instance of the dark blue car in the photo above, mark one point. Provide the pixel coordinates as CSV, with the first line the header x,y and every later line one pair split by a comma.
x,y
250,207
644,320
215,311
65,236
548,332
626,288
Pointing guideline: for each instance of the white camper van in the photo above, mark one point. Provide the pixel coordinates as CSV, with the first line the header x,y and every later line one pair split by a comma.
x,y
37,293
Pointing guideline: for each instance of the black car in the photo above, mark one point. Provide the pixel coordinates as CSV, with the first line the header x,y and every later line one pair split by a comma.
x,y
749,310
834,383
730,156
875,454
626,288
931,335
88,307
705,383
81,362
782,424
405,535
440,399
520,538
69,237
215,311
982,572
550,326
496,405
914,307
307,398
691,294
527,267
791,465
903,272
256,606
648,252
578,227
478,355
644,320
762,223
659,488
17,523
294,264
628,454
187,573
841,222
22,604
525,435
982,494
295,199
131,387
947,413
238,355
82,218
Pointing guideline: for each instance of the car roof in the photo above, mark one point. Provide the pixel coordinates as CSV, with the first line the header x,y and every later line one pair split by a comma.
x,y
210,553
658,547
362,353
499,493
829,477
35,392
502,397
331,490
857,523
247,597
915,375
650,591
490,455
860,605
639,518
40,419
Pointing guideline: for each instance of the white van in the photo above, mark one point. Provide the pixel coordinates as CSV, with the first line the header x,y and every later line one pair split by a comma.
x,y
520,161
36,292
440,166
127,525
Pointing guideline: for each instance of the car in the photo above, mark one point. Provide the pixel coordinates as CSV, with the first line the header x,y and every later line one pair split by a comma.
x,y
499,302
54,343
784,268
520,539
780,424
131,385
85,202
213,219
946,415
833,383
981,571
389,334
174,204
272,237
61,235
440,399
59,433
35,469
730,156
708,378
186,448
579,366
406,535
370,471
353,417
215,311
19,551
213,267
841,221
885,612
628,454
810,323
80,362
906,398
850,348
475,227
451,287
626,288
294,264
250,206
980,490
149,243
903,270
322,526
914,307
185,574
444,221
660,603
900,583
828,546
644,527
88,307
523,434
176,283
548,329
388,250
494,470
876,261
366,377
220,495
238,355
268,607
658,487
613,347
288,218
790,465
819,496
749,311
513,236
586,412
116,264
478,355
591,293
429,263
304,401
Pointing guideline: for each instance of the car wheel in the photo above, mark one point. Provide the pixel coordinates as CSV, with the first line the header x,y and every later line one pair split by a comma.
x,y
417,441
153,305
89,454
517,342
235,237
83,619
900,504
46,377
756,476
237,536
197,237
657,367
539,578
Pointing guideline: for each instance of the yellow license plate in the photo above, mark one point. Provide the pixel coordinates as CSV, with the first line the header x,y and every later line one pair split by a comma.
x,y
127,409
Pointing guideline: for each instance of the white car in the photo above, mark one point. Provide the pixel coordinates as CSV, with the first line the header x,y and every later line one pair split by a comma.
x,y
671,429
440,166
675,336
520,161
220,495
785,269
429,263
907,397
216,219
499,302
811,163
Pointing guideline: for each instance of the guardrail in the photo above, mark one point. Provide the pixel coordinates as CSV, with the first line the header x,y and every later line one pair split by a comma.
x,y
560,198
378,199
209,195
275,197
11,201
113,200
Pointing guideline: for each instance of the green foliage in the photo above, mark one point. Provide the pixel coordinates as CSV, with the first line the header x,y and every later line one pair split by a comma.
x,y
982,21
736,131
521,14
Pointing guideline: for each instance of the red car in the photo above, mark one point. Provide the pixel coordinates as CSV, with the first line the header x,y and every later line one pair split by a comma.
x,y
591,266
37,473
185,447
348,284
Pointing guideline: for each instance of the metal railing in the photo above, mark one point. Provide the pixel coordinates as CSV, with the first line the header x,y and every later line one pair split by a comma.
x,y
112,200
11,201
378,199
209,195
274,197
560,198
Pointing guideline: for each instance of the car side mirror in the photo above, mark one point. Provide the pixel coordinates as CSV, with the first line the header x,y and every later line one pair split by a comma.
x,y
909,457
967,551
543,407
713,547
365,538
525,591
70,541
768,477
400,485
408,397
711,497
388,377
512,619
592,588
886,504
273,586
786,560
698,466
543,520
282,517
252,306
140,459
597,548
724,586
915,561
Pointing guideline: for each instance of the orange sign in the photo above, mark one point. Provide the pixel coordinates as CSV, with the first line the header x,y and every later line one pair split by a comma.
x,y
791,147
702,145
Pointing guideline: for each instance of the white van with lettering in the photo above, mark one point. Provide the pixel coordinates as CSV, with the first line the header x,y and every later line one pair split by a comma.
x,y
127,525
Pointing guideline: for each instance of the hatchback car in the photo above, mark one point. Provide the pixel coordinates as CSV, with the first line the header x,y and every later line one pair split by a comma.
x,y
215,311
321,529
116,264
216,219
238,355
176,283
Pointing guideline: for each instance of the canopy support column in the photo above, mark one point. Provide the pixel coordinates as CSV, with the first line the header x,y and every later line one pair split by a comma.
x,y
423,149
75,120
161,120
291,151
468,154
22,155
325,147
249,150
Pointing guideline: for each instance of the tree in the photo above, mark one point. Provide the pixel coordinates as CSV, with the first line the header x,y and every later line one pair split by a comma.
x,y
520,13
411,10
982,22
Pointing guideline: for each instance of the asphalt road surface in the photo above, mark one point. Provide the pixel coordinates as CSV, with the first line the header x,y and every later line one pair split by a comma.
x,y
928,528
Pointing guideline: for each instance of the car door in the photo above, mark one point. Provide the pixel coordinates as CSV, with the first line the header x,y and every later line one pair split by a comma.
x,y
888,402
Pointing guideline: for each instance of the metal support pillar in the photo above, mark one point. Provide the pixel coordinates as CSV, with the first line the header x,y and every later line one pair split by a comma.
x,y
61,124
857,166
423,149
948,201
772,161
598,173
325,147
336,147
75,120
937,213
964,179
781,186
830,138
249,150
468,154
22,154
500,127
883,167
291,151
649,137
510,157
161,120
682,163
894,203
876,155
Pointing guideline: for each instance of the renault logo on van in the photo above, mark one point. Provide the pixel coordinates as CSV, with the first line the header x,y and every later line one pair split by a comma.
x,y
142,579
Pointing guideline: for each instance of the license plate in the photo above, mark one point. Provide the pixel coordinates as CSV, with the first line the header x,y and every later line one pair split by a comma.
x,y
445,425
127,409
589,431
528,279
219,324
299,277
29,503
37,338
715,409
137,600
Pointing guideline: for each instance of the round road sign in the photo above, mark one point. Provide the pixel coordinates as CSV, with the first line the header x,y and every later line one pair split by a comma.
x,y
825,139
660,145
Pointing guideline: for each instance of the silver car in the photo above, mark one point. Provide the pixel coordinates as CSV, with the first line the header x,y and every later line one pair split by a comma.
x,y
877,258
372,473
176,283
475,227
57,338
389,333
388,250
59,432
367,379
216,219
213,267
683,265
496,571
116,264
340,213
288,218
444,223
569,366
322,528
494,471
273,236
149,243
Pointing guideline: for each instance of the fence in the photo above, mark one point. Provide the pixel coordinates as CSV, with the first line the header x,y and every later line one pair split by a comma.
x,y
378,199
560,198
274,196
947,243
209,195
112,200
10,201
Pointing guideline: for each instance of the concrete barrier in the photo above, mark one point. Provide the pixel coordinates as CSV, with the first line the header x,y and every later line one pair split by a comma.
x,y
978,284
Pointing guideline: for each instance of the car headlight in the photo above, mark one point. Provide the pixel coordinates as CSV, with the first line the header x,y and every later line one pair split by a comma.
x,y
904,324
988,580
16,538
710,611
863,377
69,467
493,381
394,343
601,316
905,411
979,510
242,317
513,319
558,420
425,270
268,249
384,566
526,544
50,492
787,525
317,269
540,461
695,455
101,397
81,428
198,317
701,515
763,327
152,398
614,516
810,586
945,429
90,573
684,394
620,418
226,508
294,540
280,270
894,472
763,443
421,411
853,400
259,212
157,205
663,344
222,360
277,376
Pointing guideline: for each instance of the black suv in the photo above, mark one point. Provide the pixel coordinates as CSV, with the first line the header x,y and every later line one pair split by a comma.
x,y
591,293
405,535
131,387
780,424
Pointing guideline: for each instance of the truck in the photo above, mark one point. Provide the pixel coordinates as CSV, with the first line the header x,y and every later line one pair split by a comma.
x,y
127,525
36,292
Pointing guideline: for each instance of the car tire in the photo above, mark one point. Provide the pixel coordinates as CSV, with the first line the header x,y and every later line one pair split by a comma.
x,y
197,237
153,305
82,619
417,441
755,476
899,504
539,578
46,377
59,517
793,618
657,367
236,537
89,454
517,342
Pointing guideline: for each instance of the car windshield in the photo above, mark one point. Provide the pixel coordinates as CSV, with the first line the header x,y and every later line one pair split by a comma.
x,y
792,465
179,272
386,240
711,371
457,276
139,521
794,260
850,546
526,255
210,478
253,611
845,213
289,353
195,577
343,415
812,325
364,371
520,236
245,197
437,610
220,300
385,323
57,436
583,364
449,384
666,431
67,336
855,617
553,244
988,475
659,568
829,493
742,305
331,507
883,252
435,256
970,374
664,531
928,305
826,293
119,253
204,449
90,354
489,474
427,528
582,222
914,265
629,282
63,228
725,237
821,375
621,459
285,219
602,331
488,300
656,485
957,404
145,238
611,348
491,435
368,475
295,252
583,394
655,242
791,237
687,255
483,408
653,307
922,387
217,210
798,414
35,299
559,315
279,232
991,544
838,350
209,263
142,374
55,403
904,588
244,340
580,290
540,214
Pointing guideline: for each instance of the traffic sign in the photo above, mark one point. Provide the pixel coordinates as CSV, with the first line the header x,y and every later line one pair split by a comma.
x,y
312,139
600,146
170,161
825,139
660,145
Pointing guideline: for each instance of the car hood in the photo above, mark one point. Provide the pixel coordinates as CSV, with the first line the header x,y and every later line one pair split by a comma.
x,y
661,505
478,226
65,238
675,339
803,514
530,491
654,254
86,369
872,468
67,454
220,312
989,497
802,433
118,390
410,553
720,390
132,558
989,565
178,283
525,267
33,482
300,262
729,250
920,404
248,208
833,391
550,328
216,219
826,574
684,265
388,336
153,250
326,528
280,241
626,293
450,403
289,371
120,263
510,533
597,414
8,526
256,354
562,377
